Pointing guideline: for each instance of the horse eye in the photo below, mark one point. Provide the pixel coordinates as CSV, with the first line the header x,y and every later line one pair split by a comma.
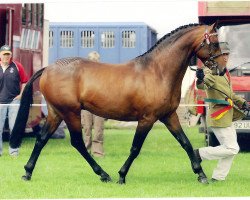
x,y
216,45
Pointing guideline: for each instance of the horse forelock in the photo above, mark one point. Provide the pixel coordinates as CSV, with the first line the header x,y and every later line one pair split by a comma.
x,y
171,37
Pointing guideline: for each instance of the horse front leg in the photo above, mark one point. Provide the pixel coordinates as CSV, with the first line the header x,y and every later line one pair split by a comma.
x,y
141,133
41,140
173,124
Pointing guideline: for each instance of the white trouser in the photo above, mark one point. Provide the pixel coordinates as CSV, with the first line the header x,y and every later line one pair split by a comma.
x,y
225,152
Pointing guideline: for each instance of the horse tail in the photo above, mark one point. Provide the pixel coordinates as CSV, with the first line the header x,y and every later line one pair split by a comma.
x,y
23,112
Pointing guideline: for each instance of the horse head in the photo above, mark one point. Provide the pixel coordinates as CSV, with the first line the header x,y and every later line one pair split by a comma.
x,y
208,49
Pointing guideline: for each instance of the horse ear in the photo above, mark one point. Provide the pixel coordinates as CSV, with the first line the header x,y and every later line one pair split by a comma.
x,y
214,25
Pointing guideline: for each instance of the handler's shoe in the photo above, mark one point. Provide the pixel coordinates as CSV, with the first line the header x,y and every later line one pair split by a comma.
x,y
13,152
98,155
213,180
14,157
197,155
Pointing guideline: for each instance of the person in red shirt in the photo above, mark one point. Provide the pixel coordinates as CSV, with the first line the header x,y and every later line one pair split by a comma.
x,y
12,82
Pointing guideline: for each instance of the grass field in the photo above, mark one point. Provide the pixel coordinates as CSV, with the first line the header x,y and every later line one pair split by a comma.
x,y
161,170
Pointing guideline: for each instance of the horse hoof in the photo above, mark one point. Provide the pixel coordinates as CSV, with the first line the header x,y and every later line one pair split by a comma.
x,y
121,181
26,178
105,178
203,180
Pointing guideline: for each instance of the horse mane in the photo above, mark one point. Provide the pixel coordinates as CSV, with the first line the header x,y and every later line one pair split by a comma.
x,y
66,61
170,37
166,40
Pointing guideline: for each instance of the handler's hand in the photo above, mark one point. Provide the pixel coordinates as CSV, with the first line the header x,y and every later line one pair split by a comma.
x,y
200,74
245,106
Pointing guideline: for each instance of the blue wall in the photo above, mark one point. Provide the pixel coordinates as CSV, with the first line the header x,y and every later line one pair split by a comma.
x,y
116,42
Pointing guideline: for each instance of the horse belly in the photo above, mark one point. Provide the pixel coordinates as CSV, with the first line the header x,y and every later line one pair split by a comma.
x,y
110,108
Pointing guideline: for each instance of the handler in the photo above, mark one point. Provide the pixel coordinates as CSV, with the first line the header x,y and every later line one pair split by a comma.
x,y
223,109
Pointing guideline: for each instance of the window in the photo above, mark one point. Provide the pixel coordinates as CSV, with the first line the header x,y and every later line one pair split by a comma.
x,y
128,39
32,14
87,39
35,40
51,39
36,14
24,38
28,9
40,14
23,14
29,39
108,39
67,39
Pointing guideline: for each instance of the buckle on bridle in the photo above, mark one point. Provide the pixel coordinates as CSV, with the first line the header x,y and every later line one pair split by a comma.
x,y
207,37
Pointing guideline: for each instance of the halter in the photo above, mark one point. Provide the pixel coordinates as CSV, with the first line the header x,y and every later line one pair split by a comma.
x,y
210,62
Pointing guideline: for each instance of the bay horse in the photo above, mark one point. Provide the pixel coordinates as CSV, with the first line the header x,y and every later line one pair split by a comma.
x,y
145,89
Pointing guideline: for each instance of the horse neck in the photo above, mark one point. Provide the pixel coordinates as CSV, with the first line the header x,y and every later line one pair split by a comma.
x,y
176,56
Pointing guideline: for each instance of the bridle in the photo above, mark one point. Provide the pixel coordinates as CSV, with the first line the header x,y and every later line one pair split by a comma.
x,y
210,62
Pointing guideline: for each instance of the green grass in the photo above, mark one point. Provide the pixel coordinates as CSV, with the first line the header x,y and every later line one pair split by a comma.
x,y
161,170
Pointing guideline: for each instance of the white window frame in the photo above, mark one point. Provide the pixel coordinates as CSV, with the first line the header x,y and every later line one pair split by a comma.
x,y
29,40
51,39
67,39
35,40
87,39
128,39
108,39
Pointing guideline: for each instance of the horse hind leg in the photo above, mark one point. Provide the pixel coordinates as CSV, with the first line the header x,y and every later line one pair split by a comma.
x,y
73,122
51,124
173,124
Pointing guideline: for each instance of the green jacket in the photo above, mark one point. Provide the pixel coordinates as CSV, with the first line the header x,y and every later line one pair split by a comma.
x,y
223,84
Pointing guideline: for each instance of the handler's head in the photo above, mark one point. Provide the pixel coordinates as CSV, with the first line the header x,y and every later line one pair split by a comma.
x,y
5,49
94,56
225,51
224,48
5,54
